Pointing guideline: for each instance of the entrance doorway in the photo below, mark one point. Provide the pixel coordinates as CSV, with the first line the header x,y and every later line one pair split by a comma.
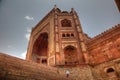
x,y
70,55
40,48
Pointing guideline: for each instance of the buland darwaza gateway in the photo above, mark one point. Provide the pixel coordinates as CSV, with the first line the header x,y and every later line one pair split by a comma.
x,y
59,41
58,49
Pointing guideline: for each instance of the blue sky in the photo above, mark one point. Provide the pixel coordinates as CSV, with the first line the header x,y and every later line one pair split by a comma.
x,y
17,17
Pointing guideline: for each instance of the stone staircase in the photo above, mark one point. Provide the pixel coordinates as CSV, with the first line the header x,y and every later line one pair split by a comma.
x,y
12,68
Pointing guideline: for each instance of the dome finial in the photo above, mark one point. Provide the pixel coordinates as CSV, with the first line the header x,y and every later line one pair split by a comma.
x,y
55,6
72,9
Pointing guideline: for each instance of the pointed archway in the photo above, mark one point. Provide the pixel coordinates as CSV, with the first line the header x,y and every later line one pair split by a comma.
x,y
40,49
70,55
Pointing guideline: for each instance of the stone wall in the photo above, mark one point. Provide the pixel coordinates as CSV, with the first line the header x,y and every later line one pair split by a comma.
x,y
12,68
105,46
100,72
81,72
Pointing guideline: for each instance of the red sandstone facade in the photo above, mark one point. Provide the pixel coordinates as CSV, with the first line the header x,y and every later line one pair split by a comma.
x,y
105,46
58,40
118,4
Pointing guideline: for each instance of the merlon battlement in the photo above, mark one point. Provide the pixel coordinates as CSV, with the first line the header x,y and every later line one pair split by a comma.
x,y
105,32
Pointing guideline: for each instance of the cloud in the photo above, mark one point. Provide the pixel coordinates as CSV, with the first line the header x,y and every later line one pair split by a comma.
x,y
23,55
29,18
27,36
28,29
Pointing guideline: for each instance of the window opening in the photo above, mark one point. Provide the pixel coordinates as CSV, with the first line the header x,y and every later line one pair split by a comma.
x,y
66,23
44,60
72,35
68,35
63,35
110,70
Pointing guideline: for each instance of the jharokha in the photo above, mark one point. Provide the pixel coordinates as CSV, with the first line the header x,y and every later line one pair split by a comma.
x,y
58,41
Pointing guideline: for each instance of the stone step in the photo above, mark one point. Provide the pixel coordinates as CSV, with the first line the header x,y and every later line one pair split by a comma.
x,y
12,68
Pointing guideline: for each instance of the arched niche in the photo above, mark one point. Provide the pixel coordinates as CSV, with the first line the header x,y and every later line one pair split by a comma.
x,y
66,23
40,48
109,70
111,73
70,55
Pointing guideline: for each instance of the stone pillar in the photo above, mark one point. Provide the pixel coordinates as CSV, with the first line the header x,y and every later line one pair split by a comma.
x,y
81,36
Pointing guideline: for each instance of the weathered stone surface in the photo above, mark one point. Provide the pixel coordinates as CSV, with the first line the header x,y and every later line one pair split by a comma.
x,y
100,71
105,46
81,72
12,68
